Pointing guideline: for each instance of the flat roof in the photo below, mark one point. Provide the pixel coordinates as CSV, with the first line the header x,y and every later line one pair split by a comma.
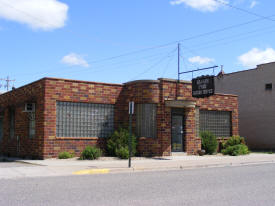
x,y
79,81
246,70
103,83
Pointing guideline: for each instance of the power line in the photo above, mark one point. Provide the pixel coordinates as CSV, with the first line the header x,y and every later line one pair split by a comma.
x,y
44,22
228,42
167,65
109,67
170,43
182,40
167,44
154,65
190,50
232,37
27,14
243,10
186,48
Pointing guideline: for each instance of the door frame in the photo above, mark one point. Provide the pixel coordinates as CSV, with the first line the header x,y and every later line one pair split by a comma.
x,y
179,112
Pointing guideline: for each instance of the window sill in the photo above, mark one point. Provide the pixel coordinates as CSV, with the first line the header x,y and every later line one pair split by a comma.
x,y
78,138
144,138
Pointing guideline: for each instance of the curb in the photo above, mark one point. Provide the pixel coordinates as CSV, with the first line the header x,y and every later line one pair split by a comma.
x,y
28,163
181,167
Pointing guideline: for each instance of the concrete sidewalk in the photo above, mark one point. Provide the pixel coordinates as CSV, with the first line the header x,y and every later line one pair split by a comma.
x,y
56,167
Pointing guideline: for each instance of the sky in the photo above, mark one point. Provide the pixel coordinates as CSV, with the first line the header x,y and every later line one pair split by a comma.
x,y
120,41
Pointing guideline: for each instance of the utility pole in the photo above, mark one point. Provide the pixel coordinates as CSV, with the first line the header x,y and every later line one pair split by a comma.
x,y
178,62
8,81
177,86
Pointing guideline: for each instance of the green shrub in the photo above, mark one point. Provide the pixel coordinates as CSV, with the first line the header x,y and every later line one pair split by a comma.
x,y
117,144
234,140
65,155
90,153
236,150
235,146
122,153
208,142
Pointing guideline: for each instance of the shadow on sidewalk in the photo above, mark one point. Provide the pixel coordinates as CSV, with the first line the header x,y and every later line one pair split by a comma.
x,y
159,158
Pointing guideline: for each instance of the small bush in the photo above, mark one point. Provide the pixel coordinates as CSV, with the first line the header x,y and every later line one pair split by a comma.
x,y
208,142
235,146
117,144
65,155
90,153
236,150
122,153
234,140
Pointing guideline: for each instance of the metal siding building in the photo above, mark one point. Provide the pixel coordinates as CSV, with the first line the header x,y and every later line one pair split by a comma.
x,y
256,103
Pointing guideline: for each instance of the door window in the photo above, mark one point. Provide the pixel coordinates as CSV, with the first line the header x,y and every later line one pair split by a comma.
x,y
177,133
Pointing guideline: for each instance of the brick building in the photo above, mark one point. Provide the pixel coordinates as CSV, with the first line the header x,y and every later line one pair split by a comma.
x,y
51,115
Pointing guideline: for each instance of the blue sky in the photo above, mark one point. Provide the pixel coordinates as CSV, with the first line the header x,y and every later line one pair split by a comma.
x,y
119,41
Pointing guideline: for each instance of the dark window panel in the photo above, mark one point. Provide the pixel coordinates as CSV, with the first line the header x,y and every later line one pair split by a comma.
x,y
146,120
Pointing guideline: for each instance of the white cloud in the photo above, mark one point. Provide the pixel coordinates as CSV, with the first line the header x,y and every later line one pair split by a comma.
x,y
37,14
73,59
200,60
201,5
253,4
257,56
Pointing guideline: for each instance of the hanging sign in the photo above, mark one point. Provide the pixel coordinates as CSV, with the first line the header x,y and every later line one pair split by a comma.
x,y
203,86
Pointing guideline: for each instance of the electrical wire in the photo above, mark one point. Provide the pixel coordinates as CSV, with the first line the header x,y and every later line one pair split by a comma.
x,y
52,25
167,65
170,43
154,65
68,67
231,41
185,39
99,69
261,30
243,10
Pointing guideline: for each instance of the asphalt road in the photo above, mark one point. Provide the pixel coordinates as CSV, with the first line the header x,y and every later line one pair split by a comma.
x,y
246,185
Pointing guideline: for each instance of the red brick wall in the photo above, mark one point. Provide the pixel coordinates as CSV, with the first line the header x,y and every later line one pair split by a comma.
x,y
49,90
23,146
73,91
183,91
220,102
160,91
141,92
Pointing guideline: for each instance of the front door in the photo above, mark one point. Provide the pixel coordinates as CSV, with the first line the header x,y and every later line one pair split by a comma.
x,y
177,133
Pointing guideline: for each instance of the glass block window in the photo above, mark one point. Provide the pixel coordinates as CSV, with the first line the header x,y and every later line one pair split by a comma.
x,y
12,123
217,122
197,121
1,126
84,119
32,124
146,125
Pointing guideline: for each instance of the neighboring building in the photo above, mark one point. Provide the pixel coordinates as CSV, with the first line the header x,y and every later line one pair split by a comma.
x,y
51,115
255,89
